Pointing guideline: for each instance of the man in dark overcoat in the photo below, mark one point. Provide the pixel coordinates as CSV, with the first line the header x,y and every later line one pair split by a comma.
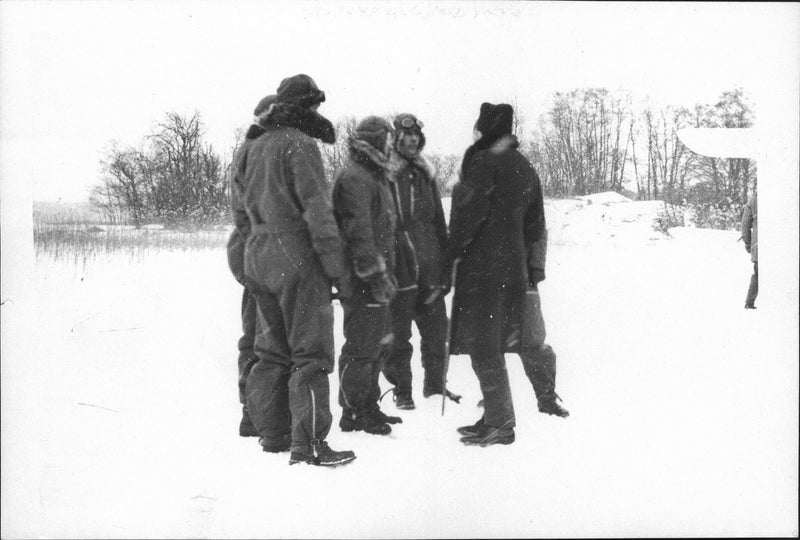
x,y
293,256
420,254
497,241
363,206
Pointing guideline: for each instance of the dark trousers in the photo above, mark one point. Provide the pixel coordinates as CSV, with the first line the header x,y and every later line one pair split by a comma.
x,y
367,335
287,389
752,290
431,321
540,367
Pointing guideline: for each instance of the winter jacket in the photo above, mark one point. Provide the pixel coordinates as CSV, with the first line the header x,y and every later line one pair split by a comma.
x,y
279,189
420,215
750,228
363,207
498,234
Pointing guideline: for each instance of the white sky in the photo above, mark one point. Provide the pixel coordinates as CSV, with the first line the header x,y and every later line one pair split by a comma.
x,y
75,75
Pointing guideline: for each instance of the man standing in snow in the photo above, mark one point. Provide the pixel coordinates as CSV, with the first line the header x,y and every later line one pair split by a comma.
x,y
423,280
498,242
250,316
750,237
293,255
362,201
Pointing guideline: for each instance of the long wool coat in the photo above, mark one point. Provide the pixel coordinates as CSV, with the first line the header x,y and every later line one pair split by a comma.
x,y
497,233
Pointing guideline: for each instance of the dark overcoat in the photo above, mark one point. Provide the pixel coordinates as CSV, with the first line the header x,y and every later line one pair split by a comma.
x,y
497,233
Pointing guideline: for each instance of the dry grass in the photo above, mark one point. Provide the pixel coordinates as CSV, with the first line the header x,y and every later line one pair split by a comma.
x,y
68,233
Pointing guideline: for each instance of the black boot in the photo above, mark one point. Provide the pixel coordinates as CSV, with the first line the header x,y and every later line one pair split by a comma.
x,y
369,421
404,401
321,454
548,405
472,430
489,435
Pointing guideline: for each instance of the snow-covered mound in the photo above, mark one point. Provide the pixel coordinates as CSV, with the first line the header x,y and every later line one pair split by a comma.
x,y
601,218
604,218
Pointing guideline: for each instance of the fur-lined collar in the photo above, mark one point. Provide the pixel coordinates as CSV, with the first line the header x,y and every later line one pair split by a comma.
x,y
421,162
504,143
366,154
309,122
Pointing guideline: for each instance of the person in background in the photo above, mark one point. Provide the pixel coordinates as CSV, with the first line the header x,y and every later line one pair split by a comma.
x,y
423,280
750,237
293,256
363,206
249,310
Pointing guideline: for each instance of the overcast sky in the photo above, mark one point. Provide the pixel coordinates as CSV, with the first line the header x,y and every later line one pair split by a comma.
x,y
76,75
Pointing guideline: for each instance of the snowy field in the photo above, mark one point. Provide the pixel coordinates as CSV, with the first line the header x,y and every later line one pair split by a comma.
x,y
121,417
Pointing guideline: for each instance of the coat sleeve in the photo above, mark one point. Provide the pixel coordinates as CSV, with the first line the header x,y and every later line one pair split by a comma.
x,y
240,219
747,226
536,228
314,197
235,247
352,200
470,207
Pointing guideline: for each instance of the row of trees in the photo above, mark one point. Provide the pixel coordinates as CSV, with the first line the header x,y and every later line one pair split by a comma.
x,y
587,141
591,140
172,178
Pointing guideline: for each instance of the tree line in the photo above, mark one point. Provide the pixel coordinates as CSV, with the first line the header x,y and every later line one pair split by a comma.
x,y
586,141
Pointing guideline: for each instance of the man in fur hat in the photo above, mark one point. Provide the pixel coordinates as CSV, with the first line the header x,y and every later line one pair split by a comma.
x,y
293,255
363,206
498,241
423,279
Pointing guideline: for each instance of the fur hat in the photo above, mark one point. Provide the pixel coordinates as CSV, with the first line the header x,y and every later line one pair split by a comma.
x,y
414,127
373,130
264,104
299,90
495,120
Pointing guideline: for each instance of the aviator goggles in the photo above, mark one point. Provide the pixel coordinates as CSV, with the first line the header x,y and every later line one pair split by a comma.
x,y
410,123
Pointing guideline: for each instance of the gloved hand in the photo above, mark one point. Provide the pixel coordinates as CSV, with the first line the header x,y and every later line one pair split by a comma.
x,y
747,247
535,276
383,287
344,288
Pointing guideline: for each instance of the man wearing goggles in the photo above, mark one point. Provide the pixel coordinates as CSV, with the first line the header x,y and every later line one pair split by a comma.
x,y
420,247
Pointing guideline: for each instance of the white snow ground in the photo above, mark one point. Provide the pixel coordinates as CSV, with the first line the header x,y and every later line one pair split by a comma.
x,y
121,418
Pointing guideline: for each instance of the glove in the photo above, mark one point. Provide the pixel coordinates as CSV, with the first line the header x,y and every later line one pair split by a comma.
x,y
344,288
535,276
747,247
383,287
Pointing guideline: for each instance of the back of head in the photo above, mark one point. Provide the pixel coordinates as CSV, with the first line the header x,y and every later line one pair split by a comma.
x,y
300,90
495,121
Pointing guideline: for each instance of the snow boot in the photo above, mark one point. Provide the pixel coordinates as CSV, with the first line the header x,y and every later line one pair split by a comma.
x,y
404,401
548,405
750,306
246,427
371,421
428,391
472,430
275,445
490,435
385,418
319,453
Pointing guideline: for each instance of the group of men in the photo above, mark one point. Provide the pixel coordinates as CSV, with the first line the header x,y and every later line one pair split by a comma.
x,y
379,243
